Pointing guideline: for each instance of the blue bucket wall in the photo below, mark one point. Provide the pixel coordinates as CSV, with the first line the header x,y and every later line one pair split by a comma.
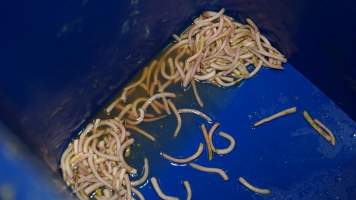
x,y
77,54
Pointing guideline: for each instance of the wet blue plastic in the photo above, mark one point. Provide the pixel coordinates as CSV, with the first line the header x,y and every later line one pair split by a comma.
x,y
285,155
72,56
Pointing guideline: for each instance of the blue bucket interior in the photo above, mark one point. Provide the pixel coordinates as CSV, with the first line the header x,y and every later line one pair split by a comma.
x,y
78,54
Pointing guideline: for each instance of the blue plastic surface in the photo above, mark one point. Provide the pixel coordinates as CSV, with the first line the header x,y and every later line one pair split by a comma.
x,y
285,155
77,54
22,176
72,56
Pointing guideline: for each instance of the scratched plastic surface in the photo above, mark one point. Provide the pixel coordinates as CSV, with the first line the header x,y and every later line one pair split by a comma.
x,y
285,155
79,53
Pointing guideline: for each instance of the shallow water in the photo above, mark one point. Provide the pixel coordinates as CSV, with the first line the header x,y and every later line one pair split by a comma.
x,y
285,155
282,155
